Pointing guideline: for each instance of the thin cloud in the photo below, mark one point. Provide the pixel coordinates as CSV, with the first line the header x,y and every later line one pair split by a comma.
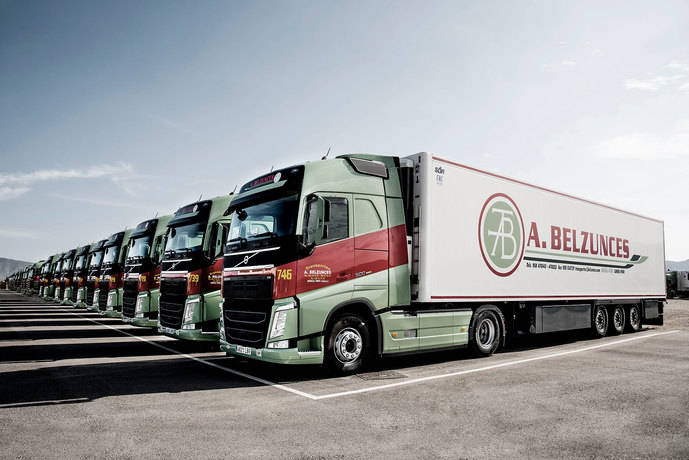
x,y
657,82
652,84
100,202
644,146
18,234
676,65
58,174
10,193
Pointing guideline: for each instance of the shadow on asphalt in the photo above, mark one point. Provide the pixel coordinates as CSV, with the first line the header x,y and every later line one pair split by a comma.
x,y
86,382
89,331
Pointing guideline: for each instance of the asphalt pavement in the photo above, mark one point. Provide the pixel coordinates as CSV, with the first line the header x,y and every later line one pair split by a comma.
x,y
76,385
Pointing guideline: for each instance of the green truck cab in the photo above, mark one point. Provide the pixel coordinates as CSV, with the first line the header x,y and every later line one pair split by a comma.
x,y
89,299
191,274
141,294
76,280
66,275
57,274
111,282
311,248
49,277
35,285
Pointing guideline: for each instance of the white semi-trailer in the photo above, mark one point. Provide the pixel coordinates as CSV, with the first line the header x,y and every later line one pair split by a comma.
x,y
341,259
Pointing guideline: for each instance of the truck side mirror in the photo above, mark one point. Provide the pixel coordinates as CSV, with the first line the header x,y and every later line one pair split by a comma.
x,y
313,220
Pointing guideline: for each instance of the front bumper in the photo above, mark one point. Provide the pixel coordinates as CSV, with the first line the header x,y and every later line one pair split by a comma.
x,y
189,334
278,356
289,332
113,305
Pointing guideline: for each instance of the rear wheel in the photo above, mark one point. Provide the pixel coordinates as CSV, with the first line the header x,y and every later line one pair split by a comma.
x,y
485,332
600,321
634,318
617,322
349,344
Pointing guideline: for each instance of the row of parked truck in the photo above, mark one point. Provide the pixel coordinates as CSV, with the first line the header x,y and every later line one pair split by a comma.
x,y
343,260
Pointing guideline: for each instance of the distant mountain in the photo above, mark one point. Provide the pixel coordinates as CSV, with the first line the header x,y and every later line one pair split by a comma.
x,y
9,266
670,265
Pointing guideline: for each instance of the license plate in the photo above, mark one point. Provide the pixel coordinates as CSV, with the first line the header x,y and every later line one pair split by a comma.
x,y
244,350
170,331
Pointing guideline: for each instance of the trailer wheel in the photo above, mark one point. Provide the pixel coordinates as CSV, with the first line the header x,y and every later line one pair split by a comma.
x,y
600,321
485,331
671,294
634,318
618,320
348,345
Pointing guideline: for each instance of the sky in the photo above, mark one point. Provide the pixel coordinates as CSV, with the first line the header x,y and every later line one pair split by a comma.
x,y
111,112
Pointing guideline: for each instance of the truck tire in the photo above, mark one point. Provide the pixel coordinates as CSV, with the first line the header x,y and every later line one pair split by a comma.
x,y
617,320
599,321
485,331
671,294
634,318
348,346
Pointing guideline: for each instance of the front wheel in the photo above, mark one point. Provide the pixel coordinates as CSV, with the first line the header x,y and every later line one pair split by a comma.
x,y
349,345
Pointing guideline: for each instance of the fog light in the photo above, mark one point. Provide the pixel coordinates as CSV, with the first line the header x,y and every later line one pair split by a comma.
x,y
280,344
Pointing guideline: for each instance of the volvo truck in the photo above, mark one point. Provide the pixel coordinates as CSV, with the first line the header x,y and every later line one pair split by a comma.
x,y
677,283
65,275
35,286
49,276
346,259
77,279
141,294
90,300
54,295
191,274
109,291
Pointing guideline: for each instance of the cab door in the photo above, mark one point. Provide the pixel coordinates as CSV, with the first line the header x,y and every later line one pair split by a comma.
x,y
325,275
371,250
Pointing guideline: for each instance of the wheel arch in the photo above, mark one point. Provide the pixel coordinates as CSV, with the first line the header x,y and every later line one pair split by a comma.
x,y
501,315
359,306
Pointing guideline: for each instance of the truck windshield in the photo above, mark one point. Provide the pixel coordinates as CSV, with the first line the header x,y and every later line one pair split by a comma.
x,y
96,259
188,237
80,262
58,267
141,247
272,218
110,254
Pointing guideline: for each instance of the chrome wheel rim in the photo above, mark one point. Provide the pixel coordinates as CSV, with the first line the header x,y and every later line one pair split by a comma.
x,y
600,320
485,334
618,319
348,345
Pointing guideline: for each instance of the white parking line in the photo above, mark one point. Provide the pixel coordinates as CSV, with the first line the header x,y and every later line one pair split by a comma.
x,y
389,385
493,366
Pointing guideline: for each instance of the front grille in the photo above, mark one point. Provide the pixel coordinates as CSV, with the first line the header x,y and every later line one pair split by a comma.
x,y
173,295
248,301
103,294
90,291
131,290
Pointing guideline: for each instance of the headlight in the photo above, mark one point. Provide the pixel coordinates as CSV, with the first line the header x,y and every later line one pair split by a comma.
x,y
280,320
139,308
189,314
